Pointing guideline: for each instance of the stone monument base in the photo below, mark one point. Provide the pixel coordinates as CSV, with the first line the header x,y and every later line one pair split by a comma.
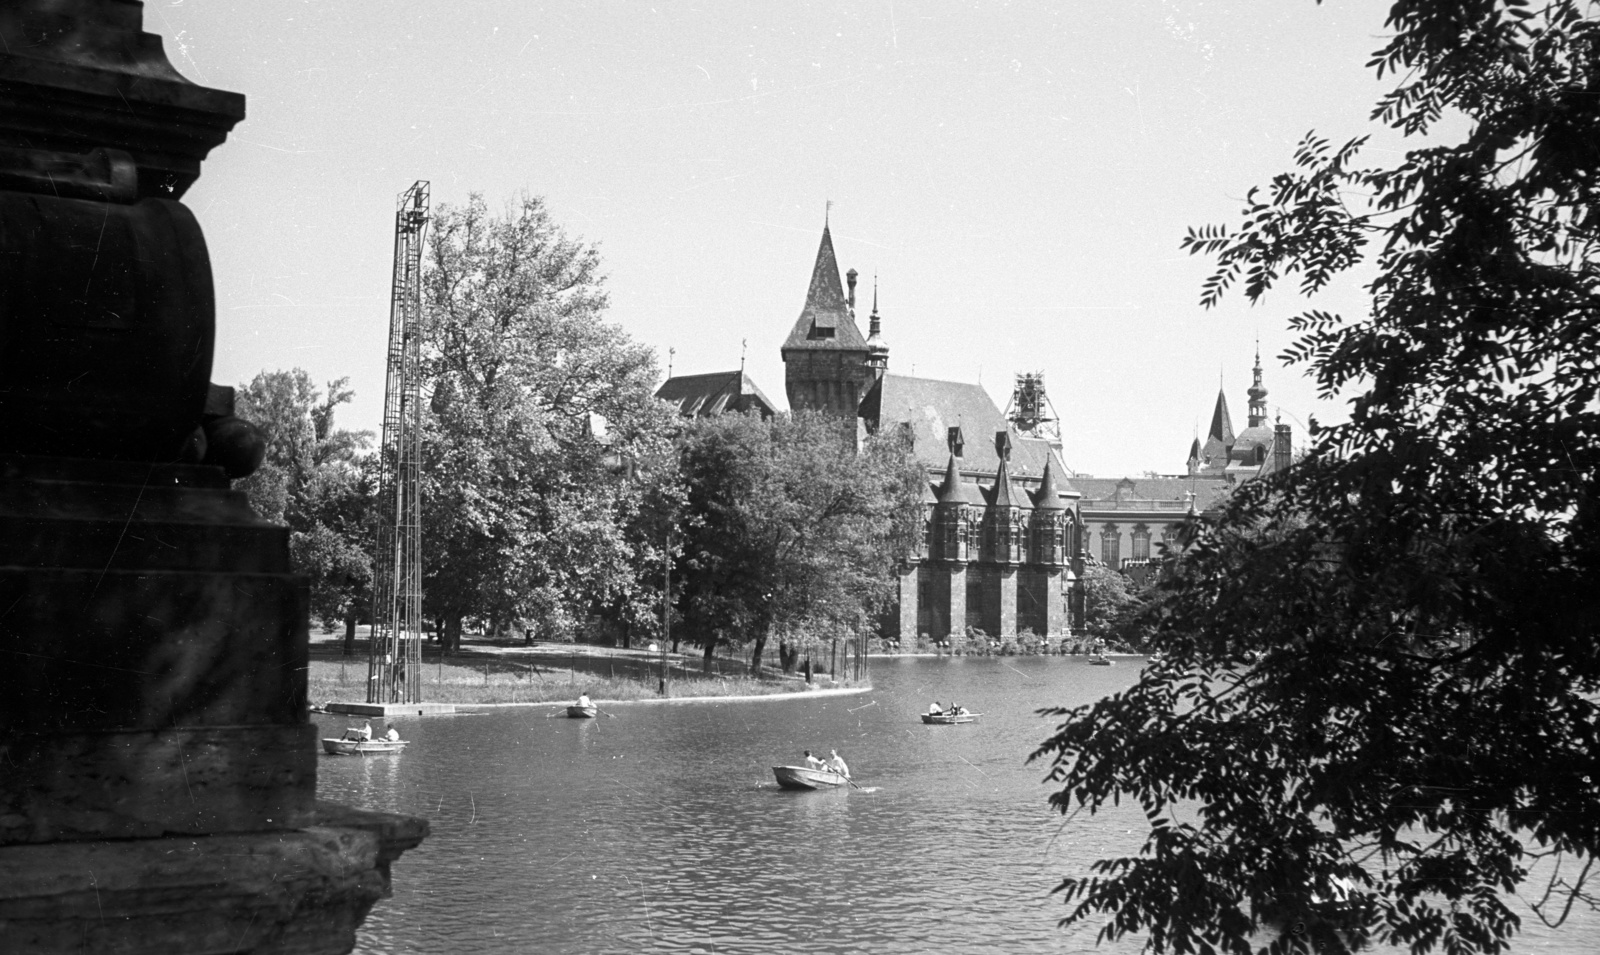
x,y
290,892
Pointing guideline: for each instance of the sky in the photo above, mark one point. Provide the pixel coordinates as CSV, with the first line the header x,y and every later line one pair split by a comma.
x,y
1016,176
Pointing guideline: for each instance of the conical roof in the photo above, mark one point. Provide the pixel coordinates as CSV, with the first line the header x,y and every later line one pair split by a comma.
x,y
1004,494
1221,422
1048,496
950,490
825,321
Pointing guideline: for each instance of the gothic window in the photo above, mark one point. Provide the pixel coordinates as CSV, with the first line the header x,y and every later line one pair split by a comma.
x,y
1110,545
1141,542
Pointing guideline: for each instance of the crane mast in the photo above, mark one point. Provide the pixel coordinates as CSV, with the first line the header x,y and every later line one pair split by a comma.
x,y
394,670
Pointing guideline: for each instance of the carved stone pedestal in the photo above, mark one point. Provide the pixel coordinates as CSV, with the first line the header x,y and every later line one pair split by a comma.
x,y
157,770
296,892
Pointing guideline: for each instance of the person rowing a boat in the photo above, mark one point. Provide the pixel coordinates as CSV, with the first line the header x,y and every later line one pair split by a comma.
x,y
583,700
366,731
836,764
814,763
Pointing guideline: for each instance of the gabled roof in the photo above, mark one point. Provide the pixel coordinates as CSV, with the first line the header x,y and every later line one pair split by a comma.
x,y
825,321
930,408
703,396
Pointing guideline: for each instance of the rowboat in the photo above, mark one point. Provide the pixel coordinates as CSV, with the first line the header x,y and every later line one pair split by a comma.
x,y
946,719
1096,660
583,712
800,777
361,747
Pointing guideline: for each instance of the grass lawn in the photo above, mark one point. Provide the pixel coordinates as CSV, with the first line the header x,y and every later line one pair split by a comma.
x,y
486,676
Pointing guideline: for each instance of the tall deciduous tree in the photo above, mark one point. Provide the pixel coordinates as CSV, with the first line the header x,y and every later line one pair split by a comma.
x,y
315,480
523,522
1376,715
788,532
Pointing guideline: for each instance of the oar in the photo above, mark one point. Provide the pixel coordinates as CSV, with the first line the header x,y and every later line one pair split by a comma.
x,y
852,782
605,713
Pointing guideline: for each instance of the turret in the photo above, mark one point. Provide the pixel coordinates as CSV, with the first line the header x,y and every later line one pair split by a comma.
x,y
1004,518
1049,524
950,513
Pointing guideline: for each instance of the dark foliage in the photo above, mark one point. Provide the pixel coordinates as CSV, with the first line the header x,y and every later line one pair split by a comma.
x,y
1375,716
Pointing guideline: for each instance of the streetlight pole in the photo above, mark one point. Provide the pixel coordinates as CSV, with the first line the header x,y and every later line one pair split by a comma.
x,y
666,612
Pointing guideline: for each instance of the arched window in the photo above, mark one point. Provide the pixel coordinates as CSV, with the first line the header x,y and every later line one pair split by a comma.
x,y
1110,545
1141,542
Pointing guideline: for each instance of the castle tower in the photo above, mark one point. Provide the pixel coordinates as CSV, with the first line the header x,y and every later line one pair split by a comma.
x,y
1258,395
825,358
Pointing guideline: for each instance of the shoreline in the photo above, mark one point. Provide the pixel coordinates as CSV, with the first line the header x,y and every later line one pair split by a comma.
x,y
796,695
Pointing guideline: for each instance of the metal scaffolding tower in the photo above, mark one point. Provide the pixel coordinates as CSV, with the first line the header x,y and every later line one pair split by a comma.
x,y
1031,412
394,669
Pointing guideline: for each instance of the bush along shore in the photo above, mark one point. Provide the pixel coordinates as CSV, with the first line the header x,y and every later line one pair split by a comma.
x,y
495,675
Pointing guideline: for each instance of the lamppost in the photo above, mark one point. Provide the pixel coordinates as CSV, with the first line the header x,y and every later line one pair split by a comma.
x,y
666,611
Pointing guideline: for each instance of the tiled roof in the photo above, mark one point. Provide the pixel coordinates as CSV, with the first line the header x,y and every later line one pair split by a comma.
x,y
930,408
702,396
1162,493
825,322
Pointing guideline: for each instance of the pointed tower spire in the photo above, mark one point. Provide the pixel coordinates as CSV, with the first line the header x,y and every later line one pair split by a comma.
x,y
1221,421
877,350
825,356
1048,496
1258,394
950,488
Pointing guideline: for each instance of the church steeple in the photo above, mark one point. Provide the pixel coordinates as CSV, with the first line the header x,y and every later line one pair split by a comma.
x,y
1258,394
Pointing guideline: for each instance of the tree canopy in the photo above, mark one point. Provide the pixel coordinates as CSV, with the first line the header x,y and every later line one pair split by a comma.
x,y
1375,715
315,480
788,530
522,520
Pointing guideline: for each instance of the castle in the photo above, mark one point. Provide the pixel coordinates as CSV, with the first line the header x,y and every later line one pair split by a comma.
x,y
1002,531
1007,527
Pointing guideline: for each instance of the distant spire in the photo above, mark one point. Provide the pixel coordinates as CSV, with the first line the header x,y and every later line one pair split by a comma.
x,y
877,350
1258,393
743,344
670,353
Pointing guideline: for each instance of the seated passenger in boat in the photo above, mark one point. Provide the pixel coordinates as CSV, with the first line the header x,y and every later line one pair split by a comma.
x,y
393,735
934,709
814,763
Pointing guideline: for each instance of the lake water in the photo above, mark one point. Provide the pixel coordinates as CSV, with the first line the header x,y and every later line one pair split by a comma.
x,y
662,829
